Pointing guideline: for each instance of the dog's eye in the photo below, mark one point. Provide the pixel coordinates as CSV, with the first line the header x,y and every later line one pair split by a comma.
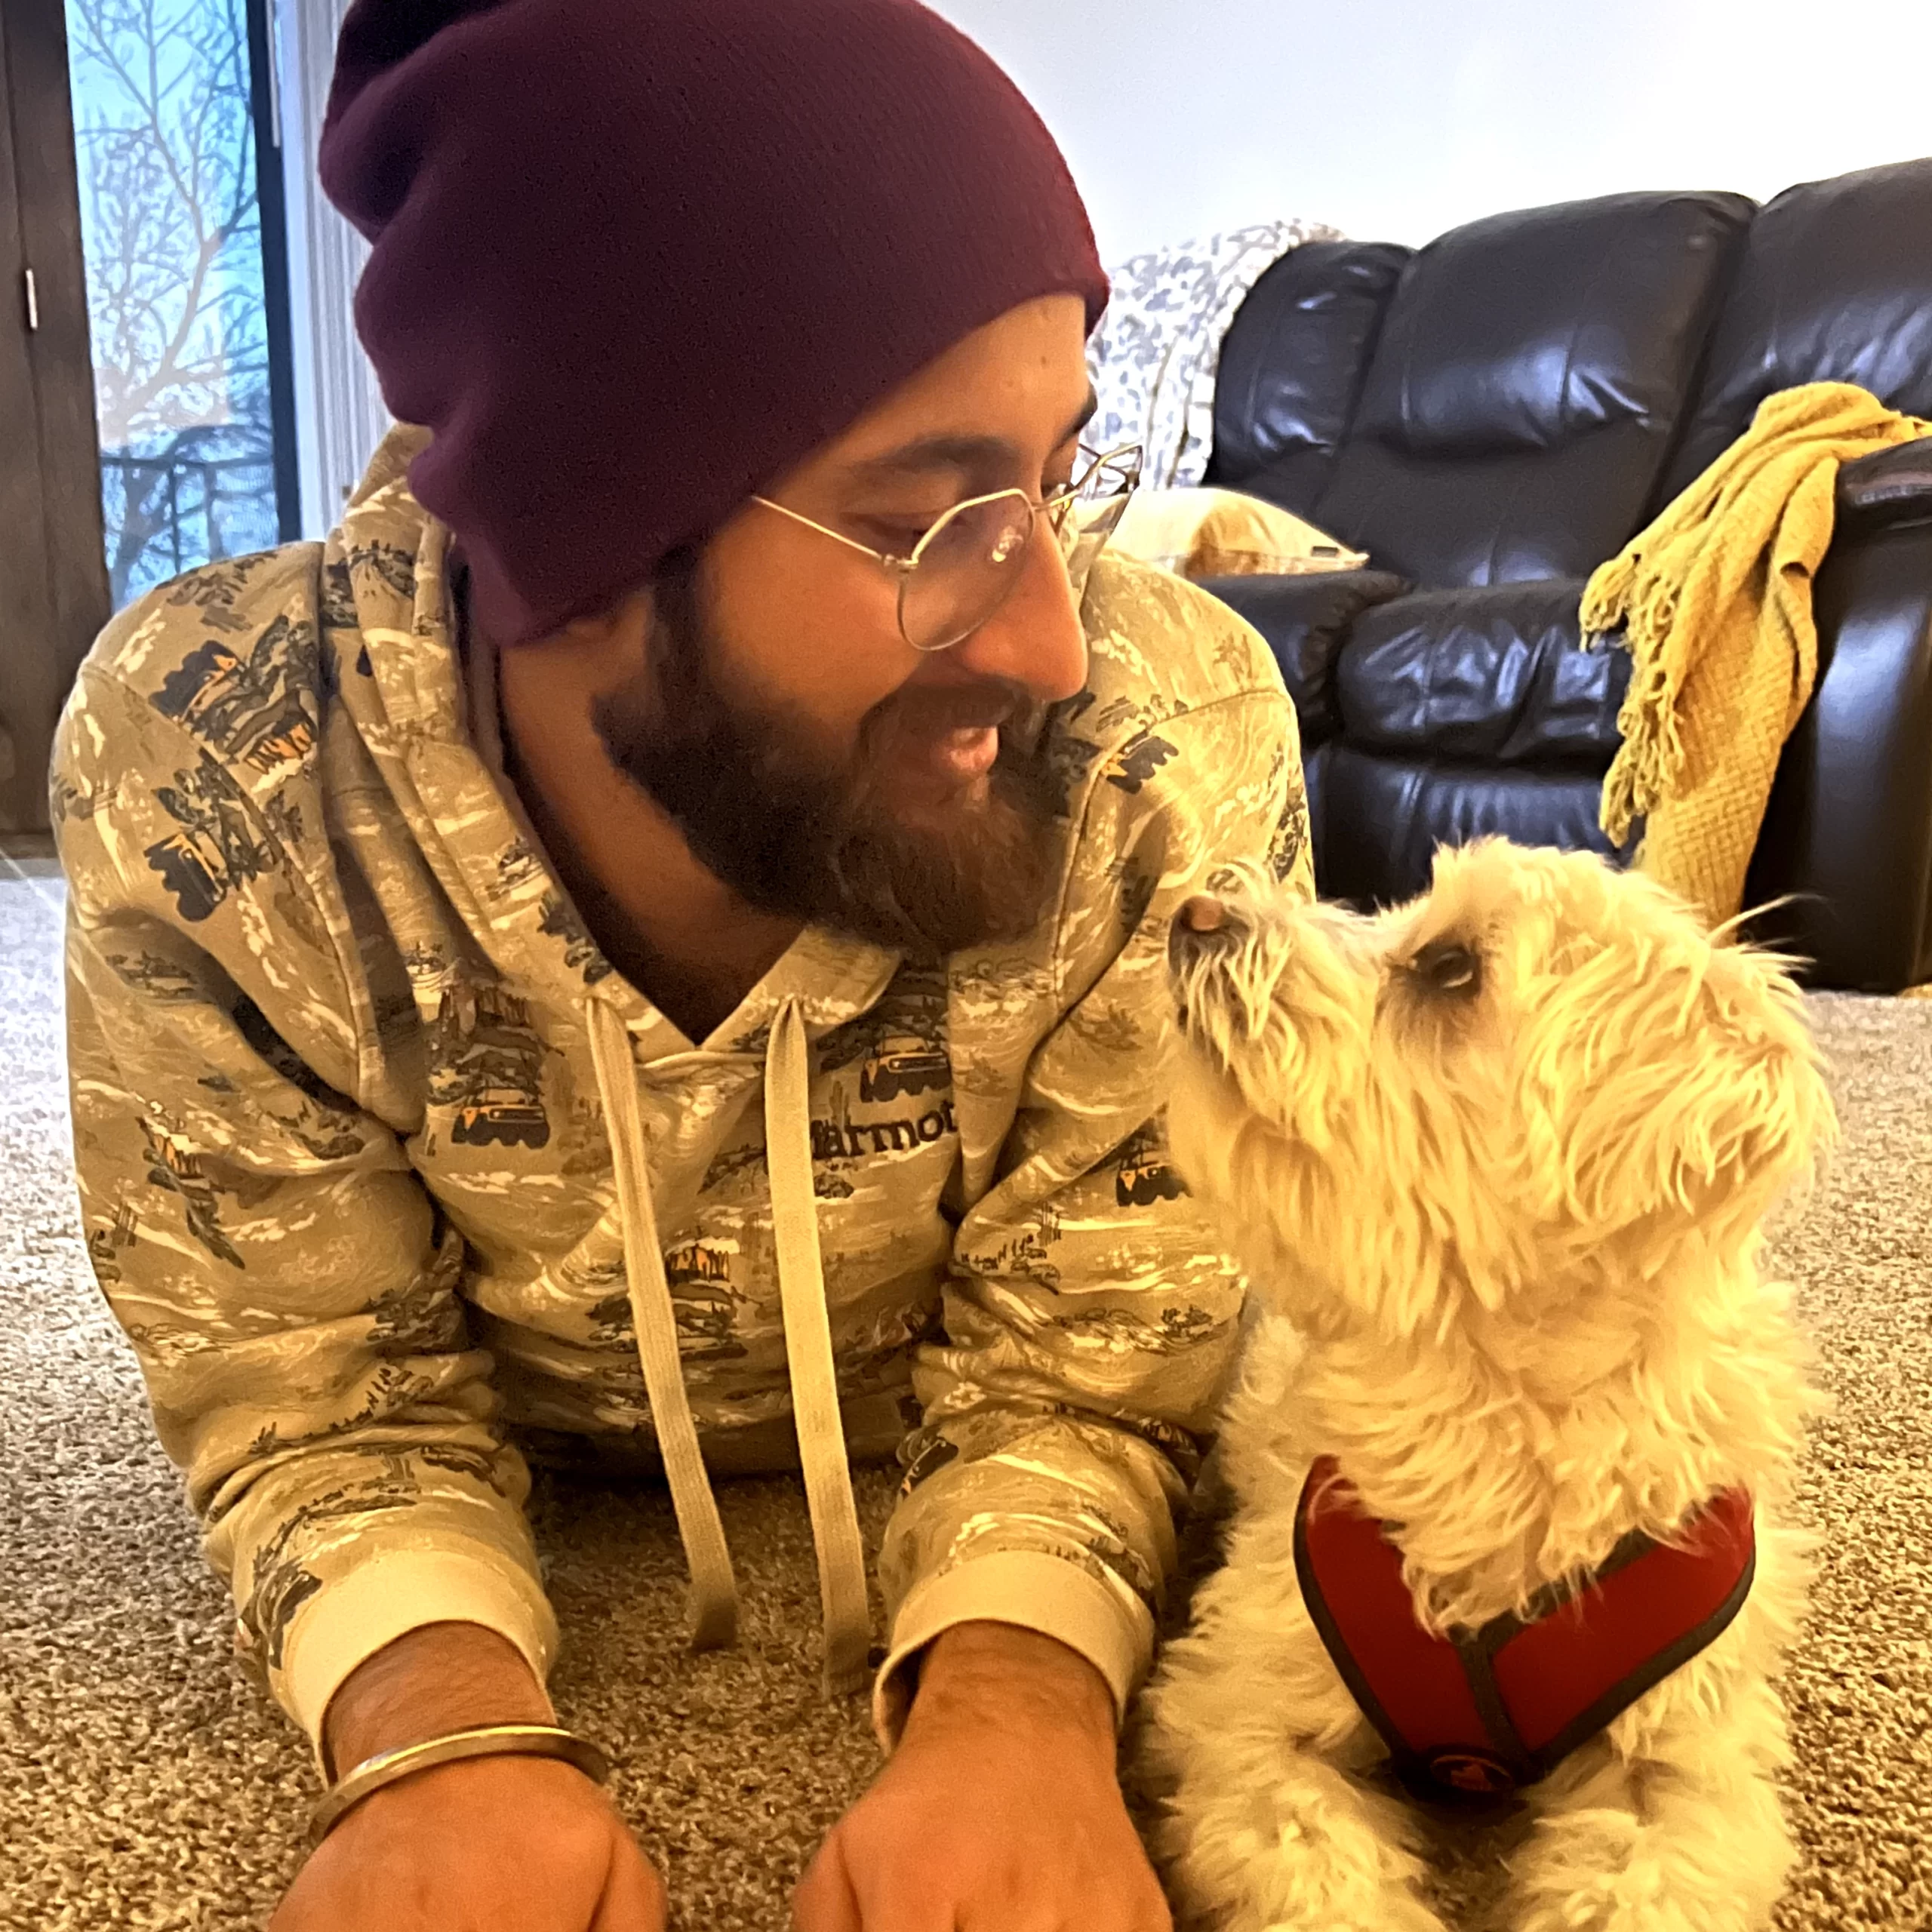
x,y
1449,966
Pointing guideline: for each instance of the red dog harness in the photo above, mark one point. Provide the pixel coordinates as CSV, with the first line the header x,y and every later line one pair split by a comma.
x,y
1483,1712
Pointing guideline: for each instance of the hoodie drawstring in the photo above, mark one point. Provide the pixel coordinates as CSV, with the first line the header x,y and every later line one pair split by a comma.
x,y
835,1538
714,1589
841,1557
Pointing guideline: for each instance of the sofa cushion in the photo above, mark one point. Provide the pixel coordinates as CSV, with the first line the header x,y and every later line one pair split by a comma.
x,y
1305,619
1492,676
1835,285
1527,385
1377,820
1292,367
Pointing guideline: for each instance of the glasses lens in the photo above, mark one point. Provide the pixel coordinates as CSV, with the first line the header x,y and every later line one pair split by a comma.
x,y
1098,518
1113,474
1093,512
971,560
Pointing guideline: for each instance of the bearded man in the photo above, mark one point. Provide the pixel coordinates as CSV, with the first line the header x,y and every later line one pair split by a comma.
x,y
644,951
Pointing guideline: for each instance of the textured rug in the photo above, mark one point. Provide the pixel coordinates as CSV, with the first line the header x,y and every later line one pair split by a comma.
x,y
143,1784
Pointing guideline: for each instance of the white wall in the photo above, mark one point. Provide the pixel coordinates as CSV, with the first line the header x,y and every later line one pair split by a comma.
x,y
1395,119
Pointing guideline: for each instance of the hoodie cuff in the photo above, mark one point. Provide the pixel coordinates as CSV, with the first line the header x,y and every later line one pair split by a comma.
x,y
344,1624
1111,1628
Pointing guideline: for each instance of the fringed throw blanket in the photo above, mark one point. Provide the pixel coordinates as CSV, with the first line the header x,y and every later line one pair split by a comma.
x,y
1713,602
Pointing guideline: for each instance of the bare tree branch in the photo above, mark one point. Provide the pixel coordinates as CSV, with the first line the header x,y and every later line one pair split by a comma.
x,y
172,238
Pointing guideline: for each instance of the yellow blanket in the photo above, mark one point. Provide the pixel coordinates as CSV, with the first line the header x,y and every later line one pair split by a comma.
x,y
1715,598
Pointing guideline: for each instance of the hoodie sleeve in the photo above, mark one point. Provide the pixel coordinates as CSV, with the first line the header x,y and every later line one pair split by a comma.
x,y
288,1287
1090,1313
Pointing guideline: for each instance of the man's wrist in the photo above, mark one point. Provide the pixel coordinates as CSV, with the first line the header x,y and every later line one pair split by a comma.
x,y
435,1679
1005,1674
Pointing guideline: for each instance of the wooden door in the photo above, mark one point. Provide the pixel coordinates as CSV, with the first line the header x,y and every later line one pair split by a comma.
x,y
54,596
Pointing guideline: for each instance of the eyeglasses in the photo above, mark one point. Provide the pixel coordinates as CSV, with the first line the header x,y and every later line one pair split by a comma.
x,y
970,561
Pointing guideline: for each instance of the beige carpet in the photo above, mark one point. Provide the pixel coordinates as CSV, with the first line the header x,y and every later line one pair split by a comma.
x,y
144,1785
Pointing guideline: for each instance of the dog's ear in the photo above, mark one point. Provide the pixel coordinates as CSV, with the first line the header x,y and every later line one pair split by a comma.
x,y
1717,1119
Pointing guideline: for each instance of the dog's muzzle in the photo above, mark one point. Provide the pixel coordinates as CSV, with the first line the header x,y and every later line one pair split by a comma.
x,y
1205,929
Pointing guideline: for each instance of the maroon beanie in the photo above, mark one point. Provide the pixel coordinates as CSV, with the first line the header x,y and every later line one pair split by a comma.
x,y
633,259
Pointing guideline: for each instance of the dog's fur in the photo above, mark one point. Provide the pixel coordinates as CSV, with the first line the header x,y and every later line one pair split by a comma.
x,y
1504,1235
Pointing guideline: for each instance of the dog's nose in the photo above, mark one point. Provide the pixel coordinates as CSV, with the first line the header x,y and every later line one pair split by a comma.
x,y
1204,924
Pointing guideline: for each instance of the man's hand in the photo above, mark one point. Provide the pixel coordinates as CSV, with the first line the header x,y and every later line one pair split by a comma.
x,y
1000,1811
489,1844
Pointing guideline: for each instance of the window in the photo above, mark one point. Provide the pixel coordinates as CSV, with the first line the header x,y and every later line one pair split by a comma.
x,y
177,134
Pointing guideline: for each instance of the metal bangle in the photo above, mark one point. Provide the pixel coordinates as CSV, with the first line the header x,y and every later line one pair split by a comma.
x,y
496,1740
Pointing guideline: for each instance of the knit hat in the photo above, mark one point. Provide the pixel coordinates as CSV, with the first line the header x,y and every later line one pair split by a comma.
x,y
633,258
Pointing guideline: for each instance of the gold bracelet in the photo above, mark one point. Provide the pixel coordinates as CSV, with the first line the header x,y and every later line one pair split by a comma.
x,y
496,1740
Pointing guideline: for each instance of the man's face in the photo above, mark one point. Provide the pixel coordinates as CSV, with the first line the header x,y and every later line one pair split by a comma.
x,y
815,761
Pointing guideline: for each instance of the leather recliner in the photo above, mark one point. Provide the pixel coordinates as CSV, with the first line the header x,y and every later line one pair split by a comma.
x,y
1492,416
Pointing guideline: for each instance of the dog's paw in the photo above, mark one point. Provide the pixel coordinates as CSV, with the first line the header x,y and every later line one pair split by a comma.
x,y
1620,1876
1298,1873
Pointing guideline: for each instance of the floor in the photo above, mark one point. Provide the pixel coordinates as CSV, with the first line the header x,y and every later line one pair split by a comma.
x,y
144,1784
28,855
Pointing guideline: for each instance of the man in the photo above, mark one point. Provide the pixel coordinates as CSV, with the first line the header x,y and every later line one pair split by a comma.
x,y
646,950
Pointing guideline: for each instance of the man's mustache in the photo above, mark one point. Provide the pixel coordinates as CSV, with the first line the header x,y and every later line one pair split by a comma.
x,y
989,703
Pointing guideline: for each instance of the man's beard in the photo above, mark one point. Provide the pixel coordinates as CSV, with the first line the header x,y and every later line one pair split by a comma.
x,y
801,836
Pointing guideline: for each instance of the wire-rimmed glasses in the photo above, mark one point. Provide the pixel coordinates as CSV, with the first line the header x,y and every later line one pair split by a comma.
x,y
970,562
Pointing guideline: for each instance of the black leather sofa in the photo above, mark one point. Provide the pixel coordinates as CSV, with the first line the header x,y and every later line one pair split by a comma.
x,y
1492,416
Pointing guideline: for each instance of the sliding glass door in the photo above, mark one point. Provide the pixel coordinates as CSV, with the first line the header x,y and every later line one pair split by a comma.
x,y
146,415
177,130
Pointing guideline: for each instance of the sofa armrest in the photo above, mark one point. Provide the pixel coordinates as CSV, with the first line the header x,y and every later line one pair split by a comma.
x,y
1304,621
1848,829
1891,486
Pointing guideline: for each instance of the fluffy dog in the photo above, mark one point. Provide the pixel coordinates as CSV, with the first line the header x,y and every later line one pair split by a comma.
x,y
1496,1164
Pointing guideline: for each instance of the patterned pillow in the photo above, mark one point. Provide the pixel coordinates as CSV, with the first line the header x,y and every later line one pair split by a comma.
x,y
1155,358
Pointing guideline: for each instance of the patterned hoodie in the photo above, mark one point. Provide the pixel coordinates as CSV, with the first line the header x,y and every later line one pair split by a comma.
x,y
392,1181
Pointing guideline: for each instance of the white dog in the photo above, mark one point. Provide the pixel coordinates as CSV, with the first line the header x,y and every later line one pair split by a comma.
x,y
1496,1163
